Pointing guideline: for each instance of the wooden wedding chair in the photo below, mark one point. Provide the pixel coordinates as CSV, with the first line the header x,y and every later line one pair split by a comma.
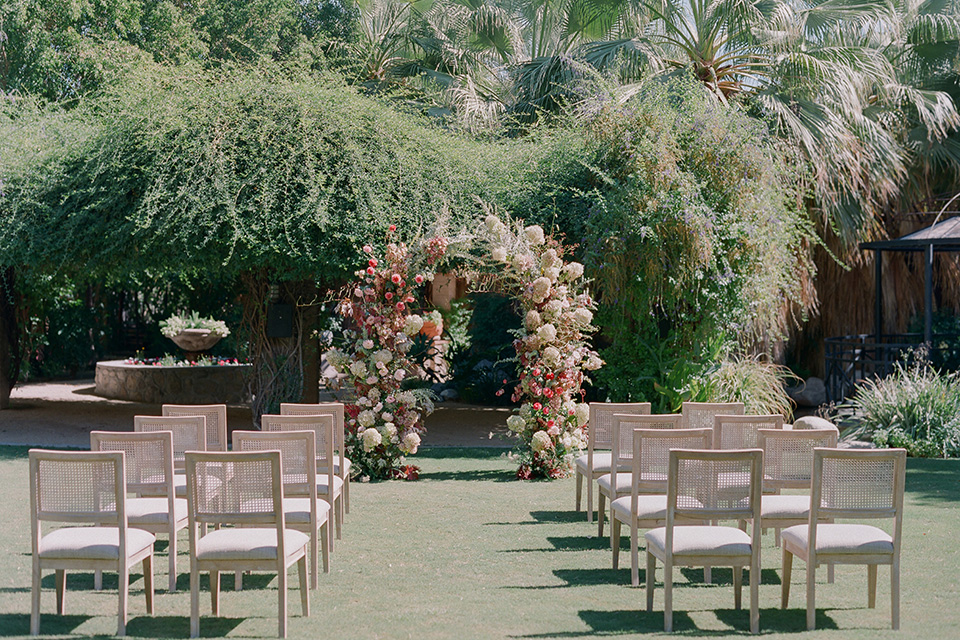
x,y
216,415
304,511
189,434
646,506
329,484
596,461
694,476
740,431
616,484
241,488
84,487
850,484
149,470
701,415
342,465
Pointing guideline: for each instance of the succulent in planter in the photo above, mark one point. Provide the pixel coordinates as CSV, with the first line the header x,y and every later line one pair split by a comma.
x,y
193,333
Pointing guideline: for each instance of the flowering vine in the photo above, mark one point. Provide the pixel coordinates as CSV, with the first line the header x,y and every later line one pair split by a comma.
x,y
385,423
552,346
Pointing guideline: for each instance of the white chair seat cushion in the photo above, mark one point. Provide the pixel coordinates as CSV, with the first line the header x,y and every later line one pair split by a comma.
x,y
702,541
297,510
601,463
322,485
649,507
92,543
785,507
145,511
841,538
347,465
247,544
624,483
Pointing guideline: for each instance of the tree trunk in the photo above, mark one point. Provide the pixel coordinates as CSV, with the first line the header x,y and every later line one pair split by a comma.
x,y
9,337
311,347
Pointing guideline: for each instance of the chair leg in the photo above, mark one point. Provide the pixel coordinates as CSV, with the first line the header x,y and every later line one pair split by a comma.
x,y
324,545
708,575
635,555
346,493
172,563
304,592
238,581
314,560
755,596
215,593
895,594
651,574
615,542
811,594
194,601
98,580
148,582
124,578
601,513
282,603
339,501
871,586
738,588
61,590
590,483
579,488
668,594
35,599
785,580
830,573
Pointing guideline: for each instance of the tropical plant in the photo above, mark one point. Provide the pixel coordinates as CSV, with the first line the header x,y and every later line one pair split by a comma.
x,y
176,324
916,407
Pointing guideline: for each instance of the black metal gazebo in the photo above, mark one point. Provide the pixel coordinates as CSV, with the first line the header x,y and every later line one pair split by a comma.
x,y
856,357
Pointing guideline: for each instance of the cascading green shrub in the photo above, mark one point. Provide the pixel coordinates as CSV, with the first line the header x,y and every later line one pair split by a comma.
x,y
917,407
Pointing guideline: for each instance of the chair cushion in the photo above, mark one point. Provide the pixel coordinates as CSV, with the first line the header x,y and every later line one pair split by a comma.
x,y
702,541
624,483
785,507
247,544
601,463
649,507
92,543
145,511
322,485
297,510
841,538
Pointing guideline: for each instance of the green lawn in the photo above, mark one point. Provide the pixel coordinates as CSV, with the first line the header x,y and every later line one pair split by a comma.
x,y
468,552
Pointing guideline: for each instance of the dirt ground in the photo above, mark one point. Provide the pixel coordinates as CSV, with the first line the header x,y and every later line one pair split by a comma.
x,y
62,414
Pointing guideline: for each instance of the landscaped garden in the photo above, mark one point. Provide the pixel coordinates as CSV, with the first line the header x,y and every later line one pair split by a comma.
x,y
623,224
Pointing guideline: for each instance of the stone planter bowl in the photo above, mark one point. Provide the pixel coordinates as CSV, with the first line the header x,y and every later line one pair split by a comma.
x,y
196,339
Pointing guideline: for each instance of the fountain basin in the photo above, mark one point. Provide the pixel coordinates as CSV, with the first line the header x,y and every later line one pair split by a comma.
x,y
197,384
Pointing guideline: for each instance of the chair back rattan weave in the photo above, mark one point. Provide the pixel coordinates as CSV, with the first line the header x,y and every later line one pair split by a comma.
x,y
700,415
189,433
216,415
788,456
148,458
740,431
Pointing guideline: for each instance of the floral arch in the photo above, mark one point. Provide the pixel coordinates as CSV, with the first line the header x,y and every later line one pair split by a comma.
x,y
385,422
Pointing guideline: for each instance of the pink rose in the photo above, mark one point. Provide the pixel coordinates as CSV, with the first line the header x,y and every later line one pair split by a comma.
x,y
367,248
370,271
418,279
400,306
372,262
395,278
388,295
393,227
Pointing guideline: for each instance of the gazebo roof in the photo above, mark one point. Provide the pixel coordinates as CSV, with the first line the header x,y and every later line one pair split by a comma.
x,y
943,236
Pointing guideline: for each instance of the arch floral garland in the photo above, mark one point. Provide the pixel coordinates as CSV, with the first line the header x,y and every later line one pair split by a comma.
x,y
552,346
385,422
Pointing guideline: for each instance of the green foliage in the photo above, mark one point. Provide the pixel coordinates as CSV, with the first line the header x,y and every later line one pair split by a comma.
x,y
242,169
484,356
758,385
916,407
694,234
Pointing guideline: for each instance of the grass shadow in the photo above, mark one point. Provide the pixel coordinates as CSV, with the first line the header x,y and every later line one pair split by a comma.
x,y
774,619
933,481
568,543
457,453
179,626
18,624
557,516
622,622
723,576
10,452
83,581
250,581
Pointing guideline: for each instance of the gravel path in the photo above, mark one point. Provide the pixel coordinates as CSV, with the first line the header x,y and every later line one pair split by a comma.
x,y
62,414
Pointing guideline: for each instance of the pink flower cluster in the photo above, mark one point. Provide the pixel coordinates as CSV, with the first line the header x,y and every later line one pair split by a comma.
x,y
552,347
386,422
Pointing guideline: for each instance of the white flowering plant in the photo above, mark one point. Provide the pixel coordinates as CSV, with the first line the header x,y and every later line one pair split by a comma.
x,y
385,423
176,324
553,347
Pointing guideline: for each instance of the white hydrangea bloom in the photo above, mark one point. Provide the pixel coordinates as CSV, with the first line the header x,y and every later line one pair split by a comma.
x,y
553,273
540,441
358,368
516,424
406,398
583,316
337,359
574,270
534,234
367,344
386,416
371,439
547,333
499,254
593,363
541,289
549,259
532,320
366,418
389,430
551,356
410,442
383,356
552,309
583,413
374,395
412,325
